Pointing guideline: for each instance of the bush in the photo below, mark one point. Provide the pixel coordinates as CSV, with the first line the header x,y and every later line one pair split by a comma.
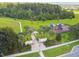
x,y
50,43
26,48
74,32
58,37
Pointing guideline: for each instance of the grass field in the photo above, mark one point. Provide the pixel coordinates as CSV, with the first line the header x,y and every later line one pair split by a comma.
x,y
9,22
76,11
12,23
30,55
37,24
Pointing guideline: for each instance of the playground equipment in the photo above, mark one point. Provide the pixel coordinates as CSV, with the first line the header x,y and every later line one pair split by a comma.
x,y
59,28
36,44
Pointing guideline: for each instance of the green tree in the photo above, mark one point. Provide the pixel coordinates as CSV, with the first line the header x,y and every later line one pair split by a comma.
x,y
8,41
35,11
74,32
58,37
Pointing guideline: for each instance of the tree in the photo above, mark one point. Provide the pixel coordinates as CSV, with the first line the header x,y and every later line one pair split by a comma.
x,y
35,11
58,37
74,32
8,41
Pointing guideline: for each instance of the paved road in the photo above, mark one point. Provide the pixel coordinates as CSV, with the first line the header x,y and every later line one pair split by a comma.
x,y
73,53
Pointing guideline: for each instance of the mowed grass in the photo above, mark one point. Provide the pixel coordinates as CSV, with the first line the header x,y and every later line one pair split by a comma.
x,y
30,55
37,24
10,22
60,50
76,11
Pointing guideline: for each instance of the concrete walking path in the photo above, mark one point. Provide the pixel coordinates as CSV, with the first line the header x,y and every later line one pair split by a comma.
x,y
60,45
20,25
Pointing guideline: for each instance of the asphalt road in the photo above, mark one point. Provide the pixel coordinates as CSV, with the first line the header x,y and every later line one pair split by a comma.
x,y
74,52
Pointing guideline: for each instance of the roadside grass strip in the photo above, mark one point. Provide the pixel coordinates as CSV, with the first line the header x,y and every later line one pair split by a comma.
x,y
25,54
56,51
30,55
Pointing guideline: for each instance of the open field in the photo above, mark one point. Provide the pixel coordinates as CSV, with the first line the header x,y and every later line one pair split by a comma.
x,y
37,24
76,11
9,22
12,23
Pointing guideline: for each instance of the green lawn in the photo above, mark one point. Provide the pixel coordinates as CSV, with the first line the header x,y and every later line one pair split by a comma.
x,y
30,55
37,24
9,22
76,11
12,23
65,37
59,50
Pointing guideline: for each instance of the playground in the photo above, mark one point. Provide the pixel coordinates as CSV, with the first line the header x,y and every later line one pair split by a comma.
x,y
38,45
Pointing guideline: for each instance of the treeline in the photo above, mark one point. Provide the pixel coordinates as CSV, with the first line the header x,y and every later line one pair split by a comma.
x,y
11,43
35,11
